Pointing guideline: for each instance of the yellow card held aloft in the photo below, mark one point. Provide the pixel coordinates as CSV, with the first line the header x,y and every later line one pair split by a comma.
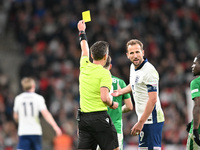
x,y
86,16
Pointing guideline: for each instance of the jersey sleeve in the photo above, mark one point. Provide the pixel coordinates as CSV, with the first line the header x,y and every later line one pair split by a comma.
x,y
151,80
15,108
106,80
123,85
84,61
42,104
194,87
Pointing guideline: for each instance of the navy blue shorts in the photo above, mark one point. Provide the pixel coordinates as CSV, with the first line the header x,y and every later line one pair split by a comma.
x,y
97,128
30,142
151,136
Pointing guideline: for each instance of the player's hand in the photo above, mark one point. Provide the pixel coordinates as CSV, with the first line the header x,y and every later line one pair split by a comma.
x,y
115,105
136,129
188,127
81,25
58,131
77,132
117,92
196,136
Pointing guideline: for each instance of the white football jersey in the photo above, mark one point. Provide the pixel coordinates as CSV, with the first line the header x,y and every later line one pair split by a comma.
x,y
143,80
28,106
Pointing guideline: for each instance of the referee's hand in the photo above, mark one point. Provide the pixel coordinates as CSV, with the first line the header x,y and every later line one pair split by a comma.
x,y
81,25
115,105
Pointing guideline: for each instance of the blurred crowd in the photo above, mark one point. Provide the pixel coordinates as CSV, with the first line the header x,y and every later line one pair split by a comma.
x,y
48,37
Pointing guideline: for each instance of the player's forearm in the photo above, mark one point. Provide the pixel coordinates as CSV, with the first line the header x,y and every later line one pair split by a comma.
x,y
126,90
15,116
196,113
128,106
148,110
49,118
196,117
125,109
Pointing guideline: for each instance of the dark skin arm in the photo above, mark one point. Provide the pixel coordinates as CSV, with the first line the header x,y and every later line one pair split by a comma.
x,y
196,112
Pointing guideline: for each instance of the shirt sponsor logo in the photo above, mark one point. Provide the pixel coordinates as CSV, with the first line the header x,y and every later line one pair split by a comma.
x,y
195,90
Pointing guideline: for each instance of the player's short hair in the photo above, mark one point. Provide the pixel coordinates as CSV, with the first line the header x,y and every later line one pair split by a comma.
x,y
27,83
198,58
133,42
108,62
99,50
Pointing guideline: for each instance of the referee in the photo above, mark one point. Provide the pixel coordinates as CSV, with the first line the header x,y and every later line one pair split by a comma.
x,y
95,125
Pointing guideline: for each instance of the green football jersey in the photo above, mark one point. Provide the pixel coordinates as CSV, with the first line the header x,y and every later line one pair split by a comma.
x,y
195,92
116,114
92,77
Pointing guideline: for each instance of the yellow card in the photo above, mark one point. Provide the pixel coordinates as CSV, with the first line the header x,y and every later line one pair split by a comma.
x,y
86,16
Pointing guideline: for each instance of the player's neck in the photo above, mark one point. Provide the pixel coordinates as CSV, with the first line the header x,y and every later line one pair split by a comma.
x,y
32,90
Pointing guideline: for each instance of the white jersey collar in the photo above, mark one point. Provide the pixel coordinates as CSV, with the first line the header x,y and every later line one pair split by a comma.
x,y
142,64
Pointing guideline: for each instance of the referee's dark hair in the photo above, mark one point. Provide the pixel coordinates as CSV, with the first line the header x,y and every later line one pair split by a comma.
x,y
99,50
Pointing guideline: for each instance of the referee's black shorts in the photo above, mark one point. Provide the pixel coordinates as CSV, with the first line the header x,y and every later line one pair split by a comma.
x,y
97,128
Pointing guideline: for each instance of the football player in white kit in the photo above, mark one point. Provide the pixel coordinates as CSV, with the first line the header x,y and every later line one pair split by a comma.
x,y
27,107
144,86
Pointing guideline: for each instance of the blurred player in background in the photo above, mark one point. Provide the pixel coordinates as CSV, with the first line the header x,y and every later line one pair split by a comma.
x,y
94,123
116,114
27,107
193,142
144,86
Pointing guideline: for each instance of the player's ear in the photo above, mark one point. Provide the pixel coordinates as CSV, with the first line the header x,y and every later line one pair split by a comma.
x,y
110,66
127,55
105,57
91,56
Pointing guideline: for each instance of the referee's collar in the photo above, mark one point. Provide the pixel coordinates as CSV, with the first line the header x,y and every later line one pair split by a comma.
x,y
142,64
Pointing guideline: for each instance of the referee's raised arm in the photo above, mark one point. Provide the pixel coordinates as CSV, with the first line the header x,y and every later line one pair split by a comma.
x,y
83,38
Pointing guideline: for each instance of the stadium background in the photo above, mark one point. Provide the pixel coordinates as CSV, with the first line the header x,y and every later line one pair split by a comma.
x,y
39,38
